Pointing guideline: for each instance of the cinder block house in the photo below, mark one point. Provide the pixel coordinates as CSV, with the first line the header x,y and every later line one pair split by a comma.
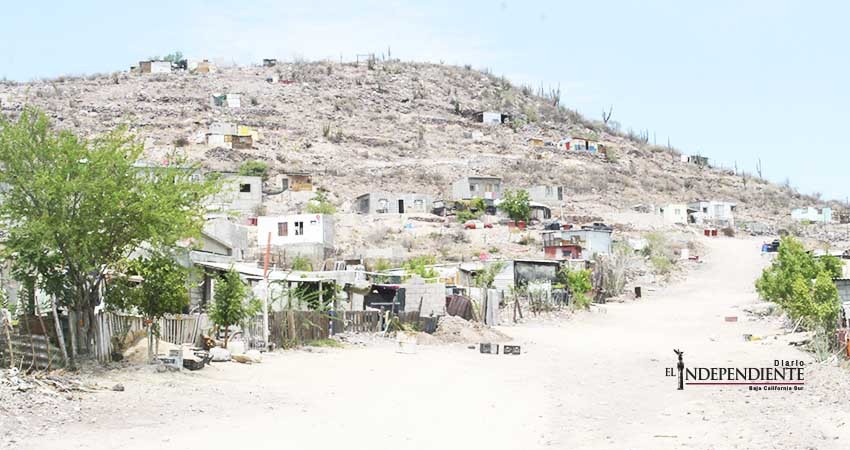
x,y
392,203
467,188
309,235
812,214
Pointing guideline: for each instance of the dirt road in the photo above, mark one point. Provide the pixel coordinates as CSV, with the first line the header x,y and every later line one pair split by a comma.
x,y
594,382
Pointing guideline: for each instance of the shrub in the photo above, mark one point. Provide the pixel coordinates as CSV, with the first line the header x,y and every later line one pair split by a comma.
x,y
802,285
578,282
181,142
301,263
320,204
659,253
516,204
254,169
419,266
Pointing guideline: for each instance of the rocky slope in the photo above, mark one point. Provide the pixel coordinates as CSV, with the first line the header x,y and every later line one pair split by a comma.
x,y
393,126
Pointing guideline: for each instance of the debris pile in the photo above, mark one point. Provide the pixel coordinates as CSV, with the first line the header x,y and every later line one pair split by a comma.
x,y
34,403
451,329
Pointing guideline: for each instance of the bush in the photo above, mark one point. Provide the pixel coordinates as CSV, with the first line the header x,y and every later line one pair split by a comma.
x,y
320,204
419,266
301,263
802,285
578,282
516,204
659,253
181,142
254,169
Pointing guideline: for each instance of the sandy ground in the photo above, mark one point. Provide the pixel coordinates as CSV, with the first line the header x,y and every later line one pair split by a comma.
x,y
597,381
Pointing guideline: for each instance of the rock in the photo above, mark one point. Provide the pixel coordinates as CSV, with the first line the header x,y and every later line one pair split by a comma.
x,y
118,387
219,354
249,357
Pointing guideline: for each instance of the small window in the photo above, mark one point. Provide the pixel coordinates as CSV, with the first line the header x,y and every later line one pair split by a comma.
x,y
299,228
419,205
472,187
244,187
282,229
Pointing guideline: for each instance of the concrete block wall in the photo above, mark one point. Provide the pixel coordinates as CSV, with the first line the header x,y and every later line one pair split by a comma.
x,y
433,297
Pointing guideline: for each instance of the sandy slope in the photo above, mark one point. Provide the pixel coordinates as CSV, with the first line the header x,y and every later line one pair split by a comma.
x,y
594,382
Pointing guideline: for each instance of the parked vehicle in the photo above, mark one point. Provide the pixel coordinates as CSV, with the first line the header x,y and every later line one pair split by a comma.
x,y
771,247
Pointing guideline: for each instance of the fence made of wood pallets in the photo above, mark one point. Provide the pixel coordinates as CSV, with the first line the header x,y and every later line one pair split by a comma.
x,y
182,329
362,321
29,352
176,329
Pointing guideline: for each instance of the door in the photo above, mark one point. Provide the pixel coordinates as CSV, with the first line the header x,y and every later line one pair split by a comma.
x,y
401,206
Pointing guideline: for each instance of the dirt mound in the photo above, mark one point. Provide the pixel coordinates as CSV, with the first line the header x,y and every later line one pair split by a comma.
x,y
451,329
138,353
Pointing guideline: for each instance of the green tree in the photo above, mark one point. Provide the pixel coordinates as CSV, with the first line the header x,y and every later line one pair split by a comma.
x,y
230,303
485,277
419,266
516,204
162,288
254,169
76,208
578,282
320,204
471,209
802,285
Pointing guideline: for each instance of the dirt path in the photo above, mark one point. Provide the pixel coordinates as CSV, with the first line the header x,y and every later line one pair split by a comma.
x,y
595,382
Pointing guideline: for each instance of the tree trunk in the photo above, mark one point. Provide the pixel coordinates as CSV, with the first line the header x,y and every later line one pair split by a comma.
x,y
72,328
6,325
60,336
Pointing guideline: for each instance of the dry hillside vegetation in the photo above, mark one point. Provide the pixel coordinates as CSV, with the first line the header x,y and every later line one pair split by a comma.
x,y
393,126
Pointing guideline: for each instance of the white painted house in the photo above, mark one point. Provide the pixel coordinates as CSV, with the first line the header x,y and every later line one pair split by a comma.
x,y
295,229
675,213
155,67
713,213
239,193
812,214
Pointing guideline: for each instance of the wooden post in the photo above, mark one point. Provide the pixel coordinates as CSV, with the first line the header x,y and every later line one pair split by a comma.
x,y
44,330
268,291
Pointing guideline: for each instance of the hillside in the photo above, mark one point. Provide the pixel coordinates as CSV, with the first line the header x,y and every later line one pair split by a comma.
x,y
392,126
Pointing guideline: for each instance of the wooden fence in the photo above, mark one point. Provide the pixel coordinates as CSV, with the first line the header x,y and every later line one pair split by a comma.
x,y
30,352
297,327
285,328
362,321
176,329
183,329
